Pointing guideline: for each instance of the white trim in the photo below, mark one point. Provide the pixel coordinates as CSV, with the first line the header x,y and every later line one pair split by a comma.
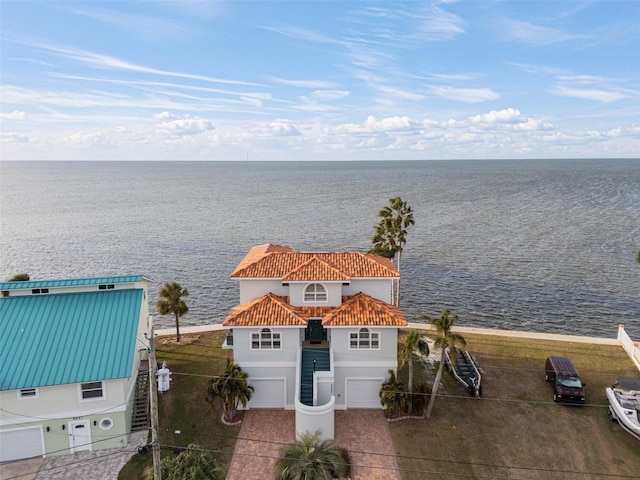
x,y
271,340
315,300
365,364
246,365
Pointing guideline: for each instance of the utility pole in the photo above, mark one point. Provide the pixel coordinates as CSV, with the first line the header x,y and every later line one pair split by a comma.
x,y
155,441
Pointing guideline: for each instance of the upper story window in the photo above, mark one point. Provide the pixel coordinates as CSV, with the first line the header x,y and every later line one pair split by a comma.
x,y
364,338
91,391
315,293
28,393
265,339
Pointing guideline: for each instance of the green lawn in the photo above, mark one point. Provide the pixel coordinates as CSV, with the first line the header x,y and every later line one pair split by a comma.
x,y
514,431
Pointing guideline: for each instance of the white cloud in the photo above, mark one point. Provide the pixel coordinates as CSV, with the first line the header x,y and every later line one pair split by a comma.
x,y
602,96
466,95
13,137
16,115
185,126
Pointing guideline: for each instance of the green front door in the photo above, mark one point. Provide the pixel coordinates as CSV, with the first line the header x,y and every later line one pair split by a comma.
x,y
314,332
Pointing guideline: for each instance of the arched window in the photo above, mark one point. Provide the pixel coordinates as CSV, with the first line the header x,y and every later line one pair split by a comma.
x,y
265,339
315,293
365,339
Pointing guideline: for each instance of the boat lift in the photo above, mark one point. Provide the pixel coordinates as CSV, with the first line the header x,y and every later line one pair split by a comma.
x,y
466,370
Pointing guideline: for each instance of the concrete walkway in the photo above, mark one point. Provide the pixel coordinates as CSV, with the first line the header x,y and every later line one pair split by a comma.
x,y
98,465
363,433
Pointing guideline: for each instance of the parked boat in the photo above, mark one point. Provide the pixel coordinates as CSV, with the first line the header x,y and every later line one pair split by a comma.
x,y
466,370
624,404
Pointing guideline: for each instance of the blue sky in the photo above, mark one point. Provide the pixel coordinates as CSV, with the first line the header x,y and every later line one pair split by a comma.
x,y
326,80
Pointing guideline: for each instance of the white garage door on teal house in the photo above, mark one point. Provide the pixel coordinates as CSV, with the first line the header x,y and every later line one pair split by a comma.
x,y
363,392
268,393
21,443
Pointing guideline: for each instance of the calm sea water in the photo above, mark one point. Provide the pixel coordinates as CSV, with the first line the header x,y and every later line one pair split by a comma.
x,y
524,245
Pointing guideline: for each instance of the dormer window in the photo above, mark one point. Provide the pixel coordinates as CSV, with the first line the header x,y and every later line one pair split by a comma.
x,y
315,293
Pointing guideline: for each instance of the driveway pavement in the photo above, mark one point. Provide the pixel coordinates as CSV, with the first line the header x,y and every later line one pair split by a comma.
x,y
364,433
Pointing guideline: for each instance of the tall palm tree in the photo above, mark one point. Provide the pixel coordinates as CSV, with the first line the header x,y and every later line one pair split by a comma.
x,y
392,395
171,302
311,459
391,234
445,338
231,388
413,343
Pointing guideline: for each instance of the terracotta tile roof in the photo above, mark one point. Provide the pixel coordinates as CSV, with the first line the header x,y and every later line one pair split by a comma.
x,y
257,252
316,269
274,261
269,310
356,310
364,310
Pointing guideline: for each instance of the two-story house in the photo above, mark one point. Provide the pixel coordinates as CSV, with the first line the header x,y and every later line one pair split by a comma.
x,y
70,352
315,331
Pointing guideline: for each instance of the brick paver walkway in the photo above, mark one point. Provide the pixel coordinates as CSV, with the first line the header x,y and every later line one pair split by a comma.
x,y
364,433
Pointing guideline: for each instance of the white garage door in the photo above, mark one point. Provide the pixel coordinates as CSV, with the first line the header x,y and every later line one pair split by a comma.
x,y
22,443
363,392
269,393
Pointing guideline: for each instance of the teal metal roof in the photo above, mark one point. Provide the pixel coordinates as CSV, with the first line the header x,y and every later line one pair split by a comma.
x,y
64,338
71,282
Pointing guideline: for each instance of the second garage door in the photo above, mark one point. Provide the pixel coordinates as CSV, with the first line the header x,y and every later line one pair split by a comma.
x,y
269,393
363,392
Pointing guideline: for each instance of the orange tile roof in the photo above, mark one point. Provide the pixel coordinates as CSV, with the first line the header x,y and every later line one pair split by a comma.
x,y
364,310
275,261
316,269
356,310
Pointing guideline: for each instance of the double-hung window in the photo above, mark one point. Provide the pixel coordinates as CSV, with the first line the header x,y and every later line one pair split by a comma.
x,y
315,293
364,339
265,339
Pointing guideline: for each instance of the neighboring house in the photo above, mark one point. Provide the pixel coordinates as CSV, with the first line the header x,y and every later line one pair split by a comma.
x,y
315,331
70,352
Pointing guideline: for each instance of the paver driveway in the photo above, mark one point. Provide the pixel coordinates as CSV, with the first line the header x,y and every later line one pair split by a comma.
x,y
364,433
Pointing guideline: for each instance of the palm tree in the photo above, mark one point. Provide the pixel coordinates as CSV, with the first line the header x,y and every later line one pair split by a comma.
x,y
231,388
193,463
312,459
413,343
392,395
445,338
171,301
391,234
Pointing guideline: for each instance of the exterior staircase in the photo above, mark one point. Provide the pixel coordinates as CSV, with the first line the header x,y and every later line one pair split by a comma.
x,y
140,415
322,364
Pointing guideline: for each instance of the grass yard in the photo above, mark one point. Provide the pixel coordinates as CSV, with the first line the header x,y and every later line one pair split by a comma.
x,y
515,430
183,408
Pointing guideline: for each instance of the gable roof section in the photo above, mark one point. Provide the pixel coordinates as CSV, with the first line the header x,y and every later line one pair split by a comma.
x,y
67,338
268,310
316,269
269,261
358,310
363,310
71,282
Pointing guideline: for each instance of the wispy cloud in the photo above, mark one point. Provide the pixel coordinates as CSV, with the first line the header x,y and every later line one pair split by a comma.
x,y
107,62
534,34
466,95
300,83
602,96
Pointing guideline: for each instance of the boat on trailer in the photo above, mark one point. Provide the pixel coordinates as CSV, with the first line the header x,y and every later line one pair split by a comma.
x,y
466,370
624,404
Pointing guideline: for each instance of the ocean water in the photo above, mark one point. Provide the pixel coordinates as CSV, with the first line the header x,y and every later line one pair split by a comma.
x,y
547,246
